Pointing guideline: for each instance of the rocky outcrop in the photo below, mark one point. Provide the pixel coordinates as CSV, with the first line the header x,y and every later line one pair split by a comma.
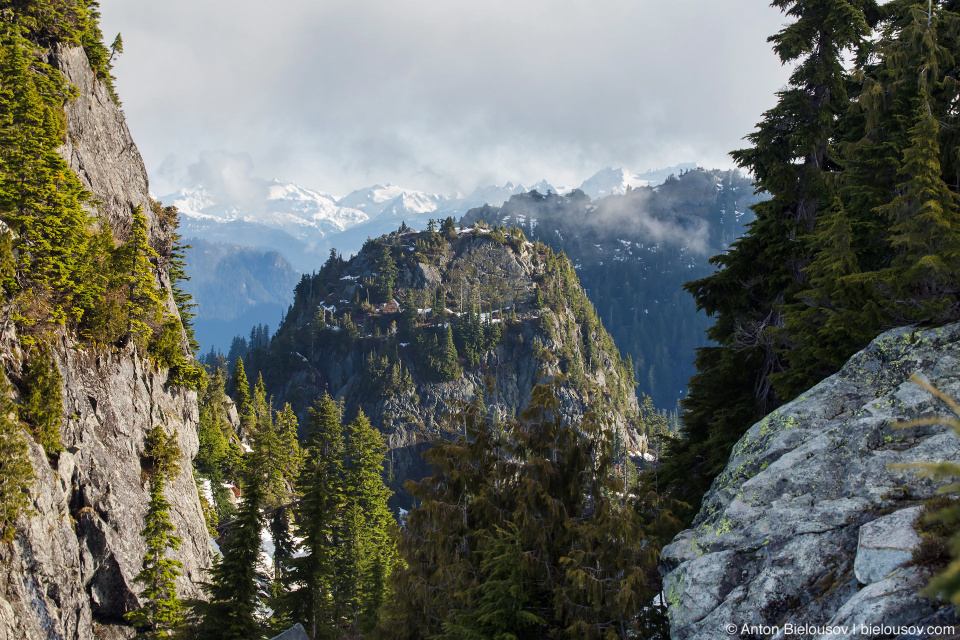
x,y
811,523
69,573
312,353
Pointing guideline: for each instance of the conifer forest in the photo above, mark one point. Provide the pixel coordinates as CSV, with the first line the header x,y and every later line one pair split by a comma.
x,y
520,422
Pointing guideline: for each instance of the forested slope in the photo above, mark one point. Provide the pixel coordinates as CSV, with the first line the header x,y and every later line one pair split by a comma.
x,y
419,320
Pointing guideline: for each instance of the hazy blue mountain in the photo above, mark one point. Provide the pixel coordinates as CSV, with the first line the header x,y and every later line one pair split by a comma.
x,y
236,288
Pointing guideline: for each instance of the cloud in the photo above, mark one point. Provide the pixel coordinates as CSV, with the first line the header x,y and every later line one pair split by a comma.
x,y
438,95
636,211
230,180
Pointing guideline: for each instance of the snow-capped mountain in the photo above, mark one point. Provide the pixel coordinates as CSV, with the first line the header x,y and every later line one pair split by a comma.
x,y
611,182
233,222
284,205
304,224
377,199
615,182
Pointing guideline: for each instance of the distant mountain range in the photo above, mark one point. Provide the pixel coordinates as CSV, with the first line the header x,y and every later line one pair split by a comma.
x,y
303,225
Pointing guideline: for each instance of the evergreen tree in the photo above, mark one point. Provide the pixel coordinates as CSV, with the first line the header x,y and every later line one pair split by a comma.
x,y
291,457
312,596
183,300
759,279
525,532
856,294
448,228
446,365
42,408
439,310
219,457
386,278
162,611
237,589
241,396
367,524
925,217
143,304
41,200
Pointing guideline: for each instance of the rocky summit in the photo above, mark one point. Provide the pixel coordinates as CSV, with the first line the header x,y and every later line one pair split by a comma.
x,y
811,526
515,314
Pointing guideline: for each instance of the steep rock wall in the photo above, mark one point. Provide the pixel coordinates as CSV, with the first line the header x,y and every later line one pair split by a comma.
x,y
69,573
810,523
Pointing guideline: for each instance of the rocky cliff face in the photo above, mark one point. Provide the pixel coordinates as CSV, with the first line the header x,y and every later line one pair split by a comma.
x,y
313,351
69,572
811,523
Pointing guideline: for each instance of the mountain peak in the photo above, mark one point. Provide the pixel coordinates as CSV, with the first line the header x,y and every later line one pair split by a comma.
x,y
610,182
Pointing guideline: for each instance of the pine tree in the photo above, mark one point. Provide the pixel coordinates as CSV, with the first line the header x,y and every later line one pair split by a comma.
x,y
925,216
312,582
386,269
525,530
182,298
143,304
291,457
760,277
267,448
446,363
218,456
237,590
439,310
162,611
241,396
505,601
41,200
367,523
863,287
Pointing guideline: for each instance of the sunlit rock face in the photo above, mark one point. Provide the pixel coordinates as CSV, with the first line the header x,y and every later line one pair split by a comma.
x,y
811,523
69,573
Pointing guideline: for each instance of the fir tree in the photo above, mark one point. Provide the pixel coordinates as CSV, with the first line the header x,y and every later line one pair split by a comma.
x,y
143,302
759,279
241,396
183,300
925,217
291,457
525,530
446,364
41,200
386,278
218,457
162,611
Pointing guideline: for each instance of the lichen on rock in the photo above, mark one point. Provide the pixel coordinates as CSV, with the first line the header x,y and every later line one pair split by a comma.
x,y
810,521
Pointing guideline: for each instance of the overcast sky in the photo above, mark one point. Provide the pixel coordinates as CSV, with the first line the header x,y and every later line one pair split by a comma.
x,y
439,95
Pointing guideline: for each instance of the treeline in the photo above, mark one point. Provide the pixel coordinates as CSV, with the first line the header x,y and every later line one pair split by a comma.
x,y
527,526
862,232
